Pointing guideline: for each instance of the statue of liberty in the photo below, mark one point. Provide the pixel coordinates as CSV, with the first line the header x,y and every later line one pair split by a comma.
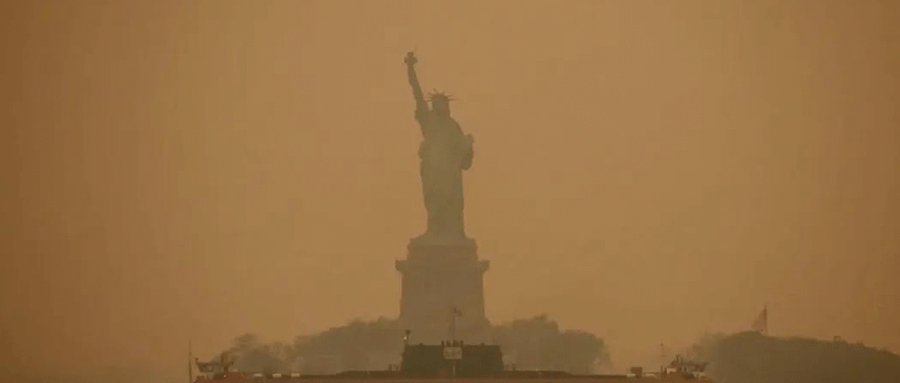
x,y
444,153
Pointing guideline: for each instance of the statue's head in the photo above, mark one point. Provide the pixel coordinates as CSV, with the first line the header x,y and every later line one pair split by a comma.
x,y
440,103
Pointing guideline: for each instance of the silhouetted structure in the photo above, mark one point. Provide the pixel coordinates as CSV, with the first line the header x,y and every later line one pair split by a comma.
x,y
444,153
430,363
442,275
434,360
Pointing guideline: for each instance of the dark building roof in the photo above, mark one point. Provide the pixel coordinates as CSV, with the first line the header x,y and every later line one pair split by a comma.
x,y
430,361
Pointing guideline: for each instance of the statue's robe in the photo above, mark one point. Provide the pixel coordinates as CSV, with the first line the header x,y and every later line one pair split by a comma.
x,y
444,153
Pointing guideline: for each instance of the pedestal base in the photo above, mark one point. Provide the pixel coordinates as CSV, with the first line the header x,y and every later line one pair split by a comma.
x,y
438,277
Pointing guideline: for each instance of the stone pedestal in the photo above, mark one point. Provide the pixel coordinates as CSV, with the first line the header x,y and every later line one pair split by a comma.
x,y
436,277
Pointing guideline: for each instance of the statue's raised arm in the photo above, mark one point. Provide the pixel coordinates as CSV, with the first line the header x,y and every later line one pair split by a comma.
x,y
421,105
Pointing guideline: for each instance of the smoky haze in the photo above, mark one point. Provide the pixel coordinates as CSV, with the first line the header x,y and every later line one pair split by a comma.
x,y
653,170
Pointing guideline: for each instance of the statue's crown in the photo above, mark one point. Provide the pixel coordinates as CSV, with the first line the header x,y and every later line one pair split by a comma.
x,y
440,96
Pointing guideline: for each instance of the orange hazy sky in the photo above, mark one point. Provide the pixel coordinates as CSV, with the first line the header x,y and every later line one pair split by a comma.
x,y
653,169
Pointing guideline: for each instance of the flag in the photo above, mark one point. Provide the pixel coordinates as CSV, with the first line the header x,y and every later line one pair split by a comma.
x,y
761,324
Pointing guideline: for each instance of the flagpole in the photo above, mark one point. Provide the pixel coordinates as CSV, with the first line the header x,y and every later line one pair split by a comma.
x,y
454,312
